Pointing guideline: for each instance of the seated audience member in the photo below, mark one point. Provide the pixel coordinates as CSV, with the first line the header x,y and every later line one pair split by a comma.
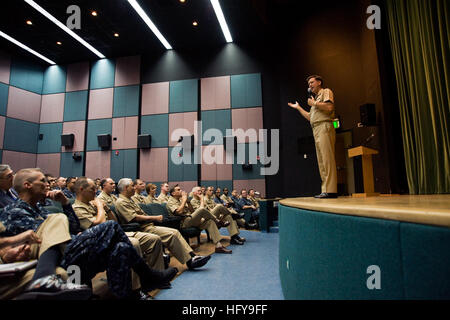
x,y
203,188
51,180
17,249
138,197
226,198
151,190
69,191
164,195
245,203
107,195
217,199
60,183
252,198
222,212
233,205
98,186
129,211
7,195
103,247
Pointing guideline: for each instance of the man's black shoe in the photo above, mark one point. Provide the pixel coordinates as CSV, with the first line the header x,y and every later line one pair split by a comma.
x,y
250,226
326,196
159,279
236,241
197,262
166,258
54,288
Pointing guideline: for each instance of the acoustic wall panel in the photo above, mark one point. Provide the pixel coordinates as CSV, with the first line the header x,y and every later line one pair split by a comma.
x,y
26,75
98,164
77,77
52,108
51,137
128,71
77,128
19,160
155,98
54,80
126,101
154,164
217,120
158,127
69,167
124,130
4,91
24,105
123,164
102,74
247,119
184,121
183,96
100,103
215,93
5,67
2,130
94,128
246,91
21,136
49,163
75,105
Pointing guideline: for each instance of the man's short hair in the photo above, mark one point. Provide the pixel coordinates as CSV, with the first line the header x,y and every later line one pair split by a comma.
x,y
22,176
171,190
123,183
318,78
70,179
4,167
195,189
82,182
243,190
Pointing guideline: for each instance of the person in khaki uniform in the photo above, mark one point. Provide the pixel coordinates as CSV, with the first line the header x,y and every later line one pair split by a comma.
x,y
108,187
199,217
252,198
222,213
92,211
321,118
151,190
129,211
138,197
165,194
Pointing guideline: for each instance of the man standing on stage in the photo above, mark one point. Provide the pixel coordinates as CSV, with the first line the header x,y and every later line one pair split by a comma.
x,y
321,118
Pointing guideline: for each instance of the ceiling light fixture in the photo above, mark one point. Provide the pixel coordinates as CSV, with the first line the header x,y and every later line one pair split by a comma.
x,y
221,18
149,23
62,26
116,35
58,43
94,13
20,44
195,23
29,22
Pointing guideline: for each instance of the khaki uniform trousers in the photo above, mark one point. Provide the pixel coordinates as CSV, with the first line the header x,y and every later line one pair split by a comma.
x,y
325,139
171,239
203,219
222,213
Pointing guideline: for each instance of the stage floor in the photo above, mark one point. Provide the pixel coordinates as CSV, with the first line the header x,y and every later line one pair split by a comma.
x,y
422,209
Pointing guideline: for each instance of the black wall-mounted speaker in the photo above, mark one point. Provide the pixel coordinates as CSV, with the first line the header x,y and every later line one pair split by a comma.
x,y
368,114
104,141
145,141
77,156
230,140
247,167
67,140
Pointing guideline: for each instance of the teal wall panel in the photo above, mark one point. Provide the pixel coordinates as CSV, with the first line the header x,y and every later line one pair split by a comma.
x,y
183,96
70,167
158,127
26,75
75,105
124,165
21,136
426,261
102,74
216,119
94,128
246,91
325,256
51,142
4,90
126,101
238,172
1,155
182,172
54,80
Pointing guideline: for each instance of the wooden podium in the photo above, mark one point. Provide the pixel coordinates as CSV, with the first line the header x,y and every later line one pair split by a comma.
x,y
367,168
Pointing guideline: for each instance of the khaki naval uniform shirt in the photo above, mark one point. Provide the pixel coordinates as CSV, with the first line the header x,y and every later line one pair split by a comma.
x,y
137,198
317,115
163,198
110,200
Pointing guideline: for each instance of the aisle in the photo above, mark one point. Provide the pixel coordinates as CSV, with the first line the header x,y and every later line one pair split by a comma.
x,y
250,273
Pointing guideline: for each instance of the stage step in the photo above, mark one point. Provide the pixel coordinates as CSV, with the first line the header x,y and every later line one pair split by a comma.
x,y
273,230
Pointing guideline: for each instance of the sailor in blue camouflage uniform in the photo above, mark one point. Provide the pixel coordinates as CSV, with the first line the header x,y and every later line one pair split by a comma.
x,y
103,247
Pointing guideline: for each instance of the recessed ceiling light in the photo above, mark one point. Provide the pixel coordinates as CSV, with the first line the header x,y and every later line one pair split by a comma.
x,y
29,22
64,27
221,18
195,23
58,43
116,35
20,44
149,23
182,1
94,13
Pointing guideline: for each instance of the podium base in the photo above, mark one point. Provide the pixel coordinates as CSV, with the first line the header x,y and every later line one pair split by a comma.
x,y
365,195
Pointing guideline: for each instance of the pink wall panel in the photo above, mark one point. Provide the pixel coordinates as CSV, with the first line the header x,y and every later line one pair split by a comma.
x,y
101,103
19,160
52,108
215,93
125,130
2,131
219,170
128,71
185,185
78,129
155,98
247,118
181,121
258,185
77,76
5,68
154,165
24,105
98,164
49,163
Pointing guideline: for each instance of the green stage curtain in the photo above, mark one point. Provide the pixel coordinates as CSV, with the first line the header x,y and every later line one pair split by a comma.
x,y
419,36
